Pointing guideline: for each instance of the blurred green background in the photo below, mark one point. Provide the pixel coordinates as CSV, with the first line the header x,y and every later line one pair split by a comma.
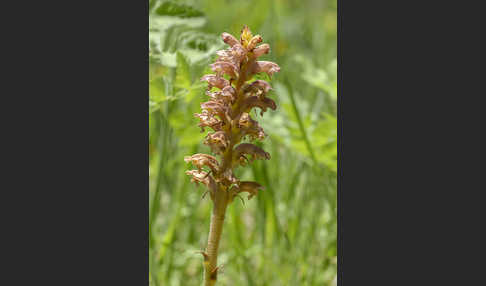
x,y
287,234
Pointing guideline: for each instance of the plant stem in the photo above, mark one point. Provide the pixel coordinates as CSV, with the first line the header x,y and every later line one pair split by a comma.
x,y
215,230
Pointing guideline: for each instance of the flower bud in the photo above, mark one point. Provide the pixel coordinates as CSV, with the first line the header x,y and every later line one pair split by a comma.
x,y
245,36
253,42
229,39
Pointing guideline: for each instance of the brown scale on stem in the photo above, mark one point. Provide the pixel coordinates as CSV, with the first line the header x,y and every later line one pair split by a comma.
x,y
227,113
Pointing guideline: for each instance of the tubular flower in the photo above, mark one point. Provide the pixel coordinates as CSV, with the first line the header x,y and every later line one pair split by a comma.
x,y
232,96
225,67
245,186
215,107
255,101
217,141
229,39
250,127
206,120
205,178
259,87
213,80
249,149
200,160
250,187
267,67
261,50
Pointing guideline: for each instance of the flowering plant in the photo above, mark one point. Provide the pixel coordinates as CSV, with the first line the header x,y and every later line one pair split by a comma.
x,y
227,113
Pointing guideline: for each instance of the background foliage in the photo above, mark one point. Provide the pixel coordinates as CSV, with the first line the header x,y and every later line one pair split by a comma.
x,y
287,234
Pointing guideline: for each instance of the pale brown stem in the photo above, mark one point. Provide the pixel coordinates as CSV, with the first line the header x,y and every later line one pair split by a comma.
x,y
215,230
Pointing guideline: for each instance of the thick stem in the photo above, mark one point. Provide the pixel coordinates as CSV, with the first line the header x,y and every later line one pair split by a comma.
x,y
215,230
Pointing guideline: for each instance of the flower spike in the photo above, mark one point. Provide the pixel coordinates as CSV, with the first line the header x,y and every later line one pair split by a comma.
x,y
232,97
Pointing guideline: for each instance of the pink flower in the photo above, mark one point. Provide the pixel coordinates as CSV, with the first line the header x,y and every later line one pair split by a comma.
x,y
216,81
217,141
207,120
264,66
250,127
256,101
225,68
200,160
229,93
205,178
250,187
249,149
261,50
258,86
229,39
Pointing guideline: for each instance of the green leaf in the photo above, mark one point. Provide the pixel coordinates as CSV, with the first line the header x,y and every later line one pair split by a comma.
x,y
323,79
162,23
183,83
183,75
173,9
324,139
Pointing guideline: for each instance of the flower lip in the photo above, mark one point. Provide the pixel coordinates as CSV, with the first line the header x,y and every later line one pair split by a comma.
x,y
250,187
204,178
200,177
250,149
258,85
256,101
